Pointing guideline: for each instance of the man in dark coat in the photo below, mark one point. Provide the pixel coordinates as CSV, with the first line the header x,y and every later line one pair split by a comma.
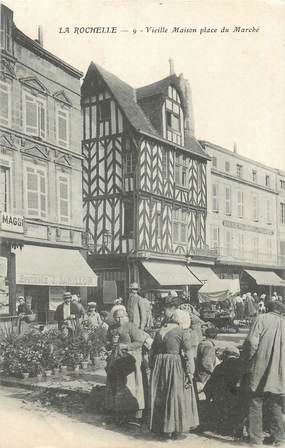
x,y
66,311
264,357
136,307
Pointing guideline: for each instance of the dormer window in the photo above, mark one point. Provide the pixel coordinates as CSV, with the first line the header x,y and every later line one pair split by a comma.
x,y
173,129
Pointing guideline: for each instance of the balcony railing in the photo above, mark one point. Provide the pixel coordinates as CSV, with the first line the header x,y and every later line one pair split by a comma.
x,y
250,256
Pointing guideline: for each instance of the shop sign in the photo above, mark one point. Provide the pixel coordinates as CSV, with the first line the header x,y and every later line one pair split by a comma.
x,y
3,267
248,227
12,223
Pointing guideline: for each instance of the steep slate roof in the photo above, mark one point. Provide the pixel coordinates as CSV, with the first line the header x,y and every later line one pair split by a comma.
x,y
127,98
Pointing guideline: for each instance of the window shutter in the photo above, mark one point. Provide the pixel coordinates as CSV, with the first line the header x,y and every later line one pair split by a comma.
x,y
62,127
42,120
63,198
4,104
31,115
32,192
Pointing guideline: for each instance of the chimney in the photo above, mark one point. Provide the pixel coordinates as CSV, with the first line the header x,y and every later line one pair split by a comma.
x,y
40,35
171,66
188,106
235,147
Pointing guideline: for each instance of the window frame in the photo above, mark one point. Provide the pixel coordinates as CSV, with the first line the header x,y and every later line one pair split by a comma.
x,y
228,201
68,200
180,222
60,108
282,212
267,181
240,204
9,118
39,100
7,167
102,103
215,198
255,208
239,168
40,214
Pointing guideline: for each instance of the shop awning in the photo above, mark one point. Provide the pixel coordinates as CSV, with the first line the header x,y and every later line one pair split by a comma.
x,y
203,273
49,266
170,274
265,278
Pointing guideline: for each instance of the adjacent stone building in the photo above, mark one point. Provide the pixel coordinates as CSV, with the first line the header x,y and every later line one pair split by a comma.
x,y
244,223
41,225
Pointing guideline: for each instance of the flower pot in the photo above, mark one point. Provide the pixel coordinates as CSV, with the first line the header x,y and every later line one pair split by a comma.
x,y
63,368
84,365
48,373
25,375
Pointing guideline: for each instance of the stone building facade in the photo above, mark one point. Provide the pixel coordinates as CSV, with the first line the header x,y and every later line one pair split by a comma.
x,y
40,170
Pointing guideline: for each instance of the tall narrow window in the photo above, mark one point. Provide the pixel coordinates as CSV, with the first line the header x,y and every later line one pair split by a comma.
x,y
128,220
36,192
282,213
215,198
215,237
4,189
164,154
240,204
255,208
5,104
63,187
267,181
227,167
214,162
62,126
228,201
179,218
129,163
240,238
254,176
268,212
35,115
105,110
6,29
239,171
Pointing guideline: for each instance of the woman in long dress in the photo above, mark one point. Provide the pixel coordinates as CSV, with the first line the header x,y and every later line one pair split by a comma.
x,y
173,407
125,397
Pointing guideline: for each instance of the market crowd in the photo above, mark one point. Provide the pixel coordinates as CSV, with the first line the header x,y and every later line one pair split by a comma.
x,y
178,378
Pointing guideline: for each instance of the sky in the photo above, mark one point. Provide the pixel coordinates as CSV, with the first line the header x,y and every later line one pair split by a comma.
x,y
237,78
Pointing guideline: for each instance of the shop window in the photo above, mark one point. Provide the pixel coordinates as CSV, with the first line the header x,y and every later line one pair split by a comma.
x,y
36,192
62,126
35,115
5,104
4,188
63,196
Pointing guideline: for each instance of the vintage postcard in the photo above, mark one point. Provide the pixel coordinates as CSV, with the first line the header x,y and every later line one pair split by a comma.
x,y
142,223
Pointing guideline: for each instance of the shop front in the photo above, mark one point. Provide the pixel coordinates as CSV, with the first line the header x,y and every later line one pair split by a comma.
x,y
44,273
262,281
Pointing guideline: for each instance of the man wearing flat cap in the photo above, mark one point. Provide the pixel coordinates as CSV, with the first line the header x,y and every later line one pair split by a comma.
x,y
136,307
66,311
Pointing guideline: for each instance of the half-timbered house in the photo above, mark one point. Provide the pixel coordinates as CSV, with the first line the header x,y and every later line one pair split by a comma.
x,y
144,182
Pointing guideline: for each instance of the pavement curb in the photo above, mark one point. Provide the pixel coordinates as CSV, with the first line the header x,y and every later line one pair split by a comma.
x,y
24,384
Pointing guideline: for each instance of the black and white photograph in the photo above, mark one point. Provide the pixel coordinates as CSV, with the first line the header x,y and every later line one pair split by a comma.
x,y
142,223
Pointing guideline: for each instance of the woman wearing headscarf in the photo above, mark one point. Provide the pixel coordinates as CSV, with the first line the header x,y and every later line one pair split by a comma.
x,y
124,387
172,402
